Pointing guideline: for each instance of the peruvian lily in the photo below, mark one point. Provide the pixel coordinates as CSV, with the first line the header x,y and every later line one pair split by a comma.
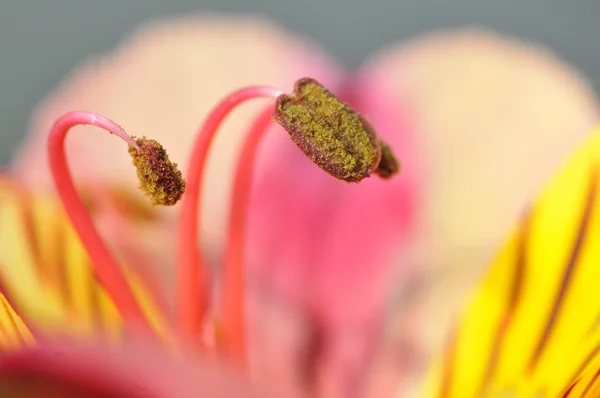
x,y
532,329
424,101
335,137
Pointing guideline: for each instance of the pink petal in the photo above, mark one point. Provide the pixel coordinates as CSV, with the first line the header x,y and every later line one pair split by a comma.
x,y
333,249
64,370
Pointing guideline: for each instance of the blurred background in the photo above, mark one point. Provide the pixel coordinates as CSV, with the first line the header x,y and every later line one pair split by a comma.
x,y
41,41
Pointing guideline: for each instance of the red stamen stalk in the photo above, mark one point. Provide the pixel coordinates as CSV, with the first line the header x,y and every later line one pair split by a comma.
x,y
233,291
193,272
137,259
105,267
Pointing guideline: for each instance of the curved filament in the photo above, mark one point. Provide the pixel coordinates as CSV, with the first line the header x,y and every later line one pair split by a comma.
x,y
105,267
193,272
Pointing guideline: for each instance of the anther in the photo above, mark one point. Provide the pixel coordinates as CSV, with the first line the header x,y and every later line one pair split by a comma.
x,y
334,136
159,178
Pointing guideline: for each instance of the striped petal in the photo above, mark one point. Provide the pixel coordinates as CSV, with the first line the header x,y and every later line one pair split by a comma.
x,y
48,273
14,333
533,328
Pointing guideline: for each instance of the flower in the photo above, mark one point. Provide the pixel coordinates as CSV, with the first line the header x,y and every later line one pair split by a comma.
x,y
539,290
389,85
335,137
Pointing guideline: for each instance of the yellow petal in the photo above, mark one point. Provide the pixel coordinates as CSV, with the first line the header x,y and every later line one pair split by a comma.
x,y
20,271
534,325
48,272
587,384
13,331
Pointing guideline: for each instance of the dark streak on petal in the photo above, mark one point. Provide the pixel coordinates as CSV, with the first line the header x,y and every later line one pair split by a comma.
x,y
590,384
61,259
31,237
26,213
3,291
312,358
35,333
13,323
63,271
569,390
569,270
584,364
513,302
94,292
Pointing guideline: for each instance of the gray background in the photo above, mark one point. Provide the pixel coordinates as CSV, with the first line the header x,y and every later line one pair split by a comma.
x,y
42,40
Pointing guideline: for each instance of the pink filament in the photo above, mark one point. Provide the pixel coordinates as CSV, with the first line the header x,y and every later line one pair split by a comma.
x,y
193,272
233,291
135,258
105,267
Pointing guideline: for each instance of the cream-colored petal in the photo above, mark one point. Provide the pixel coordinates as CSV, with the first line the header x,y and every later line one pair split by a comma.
x,y
492,116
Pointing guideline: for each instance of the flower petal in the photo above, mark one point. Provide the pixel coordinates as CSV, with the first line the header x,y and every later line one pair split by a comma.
x,y
444,108
533,326
587,383
315,241
492,116
14,334
46,270
66,370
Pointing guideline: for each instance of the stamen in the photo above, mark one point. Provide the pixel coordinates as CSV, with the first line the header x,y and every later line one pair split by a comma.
x,y
388,165
193,272
140,263
159,177
234,279
335,137
105,267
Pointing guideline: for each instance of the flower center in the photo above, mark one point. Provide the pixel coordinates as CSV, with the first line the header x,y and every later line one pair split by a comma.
x,y
331,134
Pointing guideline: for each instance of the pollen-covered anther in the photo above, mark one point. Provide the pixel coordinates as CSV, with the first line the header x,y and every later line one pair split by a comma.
x,y
334,136
159,178
388,165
